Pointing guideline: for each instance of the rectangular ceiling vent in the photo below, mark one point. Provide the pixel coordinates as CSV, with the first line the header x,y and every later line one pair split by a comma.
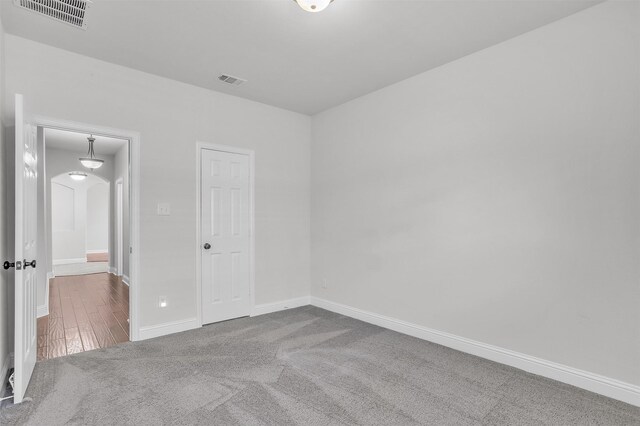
x,y
72,12
234,81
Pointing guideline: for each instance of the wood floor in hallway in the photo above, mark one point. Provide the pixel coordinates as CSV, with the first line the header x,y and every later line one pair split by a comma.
x,y
85,312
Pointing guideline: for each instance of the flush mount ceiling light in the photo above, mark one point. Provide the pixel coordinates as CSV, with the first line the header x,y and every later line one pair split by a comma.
x,y
313,5
91,162
77,175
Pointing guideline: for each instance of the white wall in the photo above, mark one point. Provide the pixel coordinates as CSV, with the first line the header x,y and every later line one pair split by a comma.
x,y
97,212
171,117
496,197
63,201
68,220
79,217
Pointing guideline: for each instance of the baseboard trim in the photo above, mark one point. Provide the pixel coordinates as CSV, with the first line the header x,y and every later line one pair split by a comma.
x,y
125,280
583,379
68,261
97,251
43,310
50,275
113,271
268,308
152,331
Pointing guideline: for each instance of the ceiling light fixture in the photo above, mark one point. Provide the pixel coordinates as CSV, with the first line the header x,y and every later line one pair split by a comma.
x,y
77,175
313,5
91,162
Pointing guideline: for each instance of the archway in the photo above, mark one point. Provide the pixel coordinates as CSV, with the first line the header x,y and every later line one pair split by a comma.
x,y
80,223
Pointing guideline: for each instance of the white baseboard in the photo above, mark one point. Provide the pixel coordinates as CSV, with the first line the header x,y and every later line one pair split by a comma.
x,y
97,251
50,275
191,323
583,379
168,328
43,310
68,261
267,308
114,271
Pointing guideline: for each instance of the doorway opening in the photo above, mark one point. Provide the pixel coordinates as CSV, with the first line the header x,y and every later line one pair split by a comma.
x,y
83,301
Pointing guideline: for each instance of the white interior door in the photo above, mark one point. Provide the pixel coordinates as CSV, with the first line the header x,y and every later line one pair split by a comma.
x,y
26,208
225,239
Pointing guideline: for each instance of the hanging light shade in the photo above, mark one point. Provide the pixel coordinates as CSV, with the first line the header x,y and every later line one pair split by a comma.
x,y
313,5
91,162
77,175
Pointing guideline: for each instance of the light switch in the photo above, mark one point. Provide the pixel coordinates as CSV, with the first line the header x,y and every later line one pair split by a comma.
x,y
164,209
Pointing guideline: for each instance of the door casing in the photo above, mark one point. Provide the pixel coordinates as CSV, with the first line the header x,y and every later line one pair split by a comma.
x,y
119,227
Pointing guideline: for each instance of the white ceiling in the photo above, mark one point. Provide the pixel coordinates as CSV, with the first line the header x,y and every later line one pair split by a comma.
x,y
305,62
77,142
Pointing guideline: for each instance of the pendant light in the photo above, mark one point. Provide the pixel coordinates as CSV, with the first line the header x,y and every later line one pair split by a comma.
x,y
313,5
91,162
77,175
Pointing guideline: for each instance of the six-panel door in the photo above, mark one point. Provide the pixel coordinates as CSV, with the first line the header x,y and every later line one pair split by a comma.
x,y
225,229
26,231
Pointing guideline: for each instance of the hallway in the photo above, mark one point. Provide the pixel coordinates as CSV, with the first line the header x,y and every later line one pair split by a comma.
x,y
85,312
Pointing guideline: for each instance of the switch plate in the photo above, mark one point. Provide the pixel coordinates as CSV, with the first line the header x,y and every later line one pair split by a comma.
x,y
164,209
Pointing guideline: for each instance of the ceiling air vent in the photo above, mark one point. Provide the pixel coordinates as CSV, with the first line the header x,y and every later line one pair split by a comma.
x,y
234,81
72,12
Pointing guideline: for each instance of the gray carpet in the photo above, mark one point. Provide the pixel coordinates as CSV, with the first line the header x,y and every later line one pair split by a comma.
x,y
301,366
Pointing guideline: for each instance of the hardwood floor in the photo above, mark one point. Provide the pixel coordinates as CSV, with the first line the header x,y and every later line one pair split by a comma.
x,y
85,312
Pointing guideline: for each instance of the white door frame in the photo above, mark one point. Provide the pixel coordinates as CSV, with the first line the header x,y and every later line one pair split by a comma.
x,y
134,203
200,146
119,227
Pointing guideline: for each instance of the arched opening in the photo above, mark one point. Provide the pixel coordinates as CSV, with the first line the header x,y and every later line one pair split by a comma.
x,y
80,205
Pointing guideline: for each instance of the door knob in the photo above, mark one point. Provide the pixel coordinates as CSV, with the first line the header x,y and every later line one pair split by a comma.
x,y
32,264
207,246
17,265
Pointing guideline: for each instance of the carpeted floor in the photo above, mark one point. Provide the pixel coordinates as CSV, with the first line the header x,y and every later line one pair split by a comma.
x,y
301,366
80,268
